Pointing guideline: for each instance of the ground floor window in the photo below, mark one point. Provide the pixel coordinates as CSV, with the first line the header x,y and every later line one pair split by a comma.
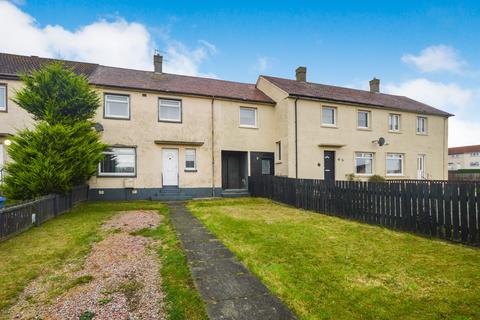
x,y
395,164
118,162
190,159
363,163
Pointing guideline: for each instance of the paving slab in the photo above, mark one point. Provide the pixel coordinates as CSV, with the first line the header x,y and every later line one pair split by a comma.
x,y
229,290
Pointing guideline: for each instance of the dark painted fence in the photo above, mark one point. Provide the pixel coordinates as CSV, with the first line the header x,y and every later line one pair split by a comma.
x,y
21,217
442,209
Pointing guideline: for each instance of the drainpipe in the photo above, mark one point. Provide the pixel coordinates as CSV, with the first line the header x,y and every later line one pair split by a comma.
x,y
213,150
296,140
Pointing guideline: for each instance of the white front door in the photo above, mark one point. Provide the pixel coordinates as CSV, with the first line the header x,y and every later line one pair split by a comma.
x,y
170,167
421,166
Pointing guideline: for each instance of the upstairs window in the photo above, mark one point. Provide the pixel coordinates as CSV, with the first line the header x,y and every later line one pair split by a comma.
x,y
190,160
475,154
329,117
248,117
394,122
3,97
170,110
394,164
363,121
363,163
117,106
118,162
421,125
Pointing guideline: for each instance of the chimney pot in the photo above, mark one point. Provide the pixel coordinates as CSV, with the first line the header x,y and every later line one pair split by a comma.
x,y
301,74
375,85
157,63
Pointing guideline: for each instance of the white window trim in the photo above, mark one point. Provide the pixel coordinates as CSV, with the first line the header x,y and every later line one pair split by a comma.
x,y
334,124
402,166
179,120
369,120
390,117
194,160
4,87
119,174
246,125
355,164
425,125
107,116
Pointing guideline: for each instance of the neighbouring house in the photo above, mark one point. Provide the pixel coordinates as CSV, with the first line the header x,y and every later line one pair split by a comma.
x,y
466,157
182,136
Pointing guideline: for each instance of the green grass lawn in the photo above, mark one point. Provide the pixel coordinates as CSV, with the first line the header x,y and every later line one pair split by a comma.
x,y
68,239
330,268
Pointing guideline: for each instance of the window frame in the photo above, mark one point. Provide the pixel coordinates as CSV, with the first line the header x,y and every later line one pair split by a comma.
x,y
5,86
180,120
119,174
106,116
477,164
475,154
391,116
278,150
334,124
402,166
190,169
425,125
240,117
368,119
355,163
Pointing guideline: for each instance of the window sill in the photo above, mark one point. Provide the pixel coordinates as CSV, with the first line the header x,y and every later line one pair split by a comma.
x,y
190,170
331,126
115,176
116,118
395,175
364,129
394,132
363,174
247,127
170,121
422,134
278,162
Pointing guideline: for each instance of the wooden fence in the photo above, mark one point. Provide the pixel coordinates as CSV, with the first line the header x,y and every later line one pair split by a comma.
x,y
440,209
18,218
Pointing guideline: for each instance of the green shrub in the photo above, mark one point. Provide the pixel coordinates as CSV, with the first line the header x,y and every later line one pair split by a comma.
x,y
376,178
51,159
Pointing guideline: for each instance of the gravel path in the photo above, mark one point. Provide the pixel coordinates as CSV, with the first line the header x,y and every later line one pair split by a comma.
x,y
119,279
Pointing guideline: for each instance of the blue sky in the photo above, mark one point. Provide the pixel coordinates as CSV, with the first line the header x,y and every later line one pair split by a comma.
x,y
427,50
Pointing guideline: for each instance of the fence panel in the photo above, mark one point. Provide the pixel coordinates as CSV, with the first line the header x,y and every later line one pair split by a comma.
x,y
442,209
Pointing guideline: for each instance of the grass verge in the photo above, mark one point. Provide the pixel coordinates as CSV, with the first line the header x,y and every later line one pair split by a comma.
x,y
67,239
330,268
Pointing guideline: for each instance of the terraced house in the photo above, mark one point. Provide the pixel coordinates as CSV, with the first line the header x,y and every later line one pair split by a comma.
x,y
175,136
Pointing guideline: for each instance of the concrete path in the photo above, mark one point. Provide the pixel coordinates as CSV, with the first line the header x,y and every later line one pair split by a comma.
x,y
229,290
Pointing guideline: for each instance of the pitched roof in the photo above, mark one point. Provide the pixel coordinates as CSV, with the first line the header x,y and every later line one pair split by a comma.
x,y
464,149
341,94
11,65
173,83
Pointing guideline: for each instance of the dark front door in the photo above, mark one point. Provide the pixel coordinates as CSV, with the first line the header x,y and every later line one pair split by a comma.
x,y
234,170
329,165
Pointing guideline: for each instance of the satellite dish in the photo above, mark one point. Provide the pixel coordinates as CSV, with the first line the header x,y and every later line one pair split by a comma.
x,y
381,141
98,127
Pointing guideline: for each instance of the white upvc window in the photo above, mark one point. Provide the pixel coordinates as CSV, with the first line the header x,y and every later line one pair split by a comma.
x,y
248,117
421,125
118,162
169,110
117,106
395,164
363,119
394,122
190,160
363,163
329,116
3,97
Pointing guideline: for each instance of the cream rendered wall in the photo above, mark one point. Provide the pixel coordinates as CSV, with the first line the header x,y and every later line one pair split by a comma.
x,y
311,134
284,126
143,129
463,161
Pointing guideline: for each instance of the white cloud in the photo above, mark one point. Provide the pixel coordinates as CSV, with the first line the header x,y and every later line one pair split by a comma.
x,y
462,132
261,64
115,43
436,58
449,96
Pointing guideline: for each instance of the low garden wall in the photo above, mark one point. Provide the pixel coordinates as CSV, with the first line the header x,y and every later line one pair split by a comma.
x,y
21,217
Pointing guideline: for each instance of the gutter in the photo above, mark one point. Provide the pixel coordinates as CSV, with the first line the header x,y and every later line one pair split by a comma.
x,y
213,148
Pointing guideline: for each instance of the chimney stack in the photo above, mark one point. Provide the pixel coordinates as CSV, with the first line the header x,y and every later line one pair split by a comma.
x,y
301,74
157,63
375,85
